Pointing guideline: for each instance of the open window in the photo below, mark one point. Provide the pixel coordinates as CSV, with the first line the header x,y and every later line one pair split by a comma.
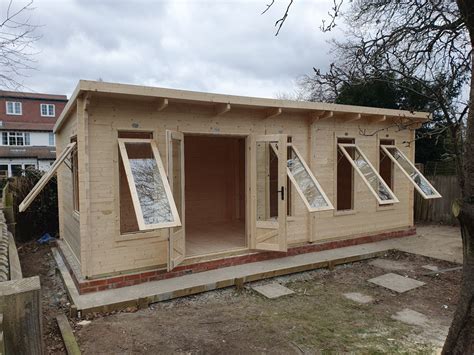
x,y
149,188
369,175
420,182
45,178
304,181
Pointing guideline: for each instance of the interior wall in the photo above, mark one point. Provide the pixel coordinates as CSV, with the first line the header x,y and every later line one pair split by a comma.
x,y
214,179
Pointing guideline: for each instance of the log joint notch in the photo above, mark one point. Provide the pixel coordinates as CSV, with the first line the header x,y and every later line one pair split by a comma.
x,y
221,109
162,104
273,112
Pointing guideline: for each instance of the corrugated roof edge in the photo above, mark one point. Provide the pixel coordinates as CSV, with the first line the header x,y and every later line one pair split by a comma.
x,y
255,102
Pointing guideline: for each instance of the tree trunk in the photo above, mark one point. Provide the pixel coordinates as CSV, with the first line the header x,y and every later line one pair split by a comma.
x,y
461,334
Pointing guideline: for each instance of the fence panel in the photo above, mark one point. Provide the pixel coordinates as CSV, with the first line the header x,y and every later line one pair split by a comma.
x,y
438,210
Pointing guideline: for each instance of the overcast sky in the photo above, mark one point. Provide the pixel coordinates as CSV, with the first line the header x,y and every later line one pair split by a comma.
x,y
214,46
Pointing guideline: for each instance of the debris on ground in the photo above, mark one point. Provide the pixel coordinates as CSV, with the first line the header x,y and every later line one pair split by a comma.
x,y
358,297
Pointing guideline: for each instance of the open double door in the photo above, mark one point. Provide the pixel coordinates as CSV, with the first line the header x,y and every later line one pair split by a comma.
x,y
266,224
270,160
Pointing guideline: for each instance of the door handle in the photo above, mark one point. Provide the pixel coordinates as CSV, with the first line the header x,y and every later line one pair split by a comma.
x,y
282,192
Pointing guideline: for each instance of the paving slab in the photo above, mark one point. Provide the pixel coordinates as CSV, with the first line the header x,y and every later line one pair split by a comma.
x,y
396,282
358,297
411,317
390,264
273,290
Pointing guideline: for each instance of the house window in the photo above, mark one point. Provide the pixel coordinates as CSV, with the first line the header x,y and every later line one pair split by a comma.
x,y
368,174
16,138
47,110
13,108
148,185
75,176
344,179
51,138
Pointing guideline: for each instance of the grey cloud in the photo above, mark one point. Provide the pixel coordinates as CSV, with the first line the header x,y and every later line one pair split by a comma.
x,y
218,46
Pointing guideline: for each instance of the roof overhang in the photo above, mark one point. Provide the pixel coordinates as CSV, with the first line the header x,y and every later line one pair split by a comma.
x,y
223,103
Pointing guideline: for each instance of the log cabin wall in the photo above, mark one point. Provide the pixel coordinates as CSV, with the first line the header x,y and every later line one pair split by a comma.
x,y
105,251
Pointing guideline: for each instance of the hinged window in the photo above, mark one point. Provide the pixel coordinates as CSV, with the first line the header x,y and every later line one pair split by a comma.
x,y
369,175
46,177
304,181
420,182
149,188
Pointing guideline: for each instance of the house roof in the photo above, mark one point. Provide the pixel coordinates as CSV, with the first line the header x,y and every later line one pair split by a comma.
x,y
316,110
32,96
41,153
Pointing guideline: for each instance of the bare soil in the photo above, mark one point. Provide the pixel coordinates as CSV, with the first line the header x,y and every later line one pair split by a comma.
x,y
317,318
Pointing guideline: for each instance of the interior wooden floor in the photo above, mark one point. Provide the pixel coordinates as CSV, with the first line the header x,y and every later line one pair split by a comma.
x,y
214,237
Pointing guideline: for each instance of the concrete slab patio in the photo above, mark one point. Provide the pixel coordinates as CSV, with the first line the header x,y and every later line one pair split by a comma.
x,y
396,282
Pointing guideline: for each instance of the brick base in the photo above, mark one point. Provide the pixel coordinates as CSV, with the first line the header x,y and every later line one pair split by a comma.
x,y
86,286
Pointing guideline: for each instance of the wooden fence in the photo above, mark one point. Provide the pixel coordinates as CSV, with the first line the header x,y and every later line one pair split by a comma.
x,y
438,210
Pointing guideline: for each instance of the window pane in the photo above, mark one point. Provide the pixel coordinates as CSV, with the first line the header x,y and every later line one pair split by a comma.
x,y
16,170
149,184
267,182
51,138
415,176
51,110
18,107
305,181
27,138
10,107
12,139
5,138
177,176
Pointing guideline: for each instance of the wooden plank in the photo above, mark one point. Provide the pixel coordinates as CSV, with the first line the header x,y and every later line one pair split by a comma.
x,y
68,336
220,109
162,104
20,304
15,266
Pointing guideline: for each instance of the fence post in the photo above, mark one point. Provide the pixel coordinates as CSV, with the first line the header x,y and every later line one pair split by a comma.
x,y
20,303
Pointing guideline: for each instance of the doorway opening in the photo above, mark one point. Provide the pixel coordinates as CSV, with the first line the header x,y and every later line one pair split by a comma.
x,y
214,193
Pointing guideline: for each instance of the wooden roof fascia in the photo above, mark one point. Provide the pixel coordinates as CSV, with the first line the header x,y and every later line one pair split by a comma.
x,y
244,101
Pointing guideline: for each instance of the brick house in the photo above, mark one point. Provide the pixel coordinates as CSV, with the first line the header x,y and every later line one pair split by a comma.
x,y
26,128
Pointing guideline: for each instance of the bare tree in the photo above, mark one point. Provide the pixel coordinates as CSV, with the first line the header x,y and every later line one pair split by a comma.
x,y
17,36
428,42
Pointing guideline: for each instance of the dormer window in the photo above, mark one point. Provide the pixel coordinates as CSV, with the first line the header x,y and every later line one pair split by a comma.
x,y
13,108
47,110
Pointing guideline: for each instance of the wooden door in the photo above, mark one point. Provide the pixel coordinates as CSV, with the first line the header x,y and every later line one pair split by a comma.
x,y
268,192
175,160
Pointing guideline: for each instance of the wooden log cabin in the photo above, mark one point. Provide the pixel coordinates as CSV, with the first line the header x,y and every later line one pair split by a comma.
x,y
155,182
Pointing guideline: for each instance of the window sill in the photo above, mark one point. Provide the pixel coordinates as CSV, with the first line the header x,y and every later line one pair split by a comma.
x,y
344,213
385,208
139,235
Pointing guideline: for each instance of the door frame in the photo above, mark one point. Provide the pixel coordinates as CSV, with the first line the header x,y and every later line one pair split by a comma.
x,y
248,138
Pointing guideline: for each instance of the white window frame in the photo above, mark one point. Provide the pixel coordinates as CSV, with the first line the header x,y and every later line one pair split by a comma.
x,y
343,147
422,193
45,178
133,191
48,113
312,177
13,134
14,113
